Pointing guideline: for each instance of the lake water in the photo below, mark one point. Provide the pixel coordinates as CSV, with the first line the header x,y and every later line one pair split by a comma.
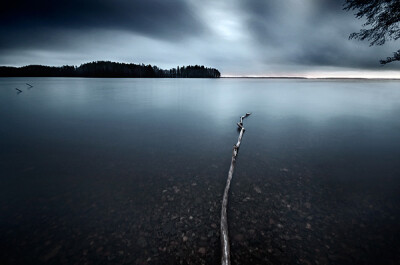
x,y
132,171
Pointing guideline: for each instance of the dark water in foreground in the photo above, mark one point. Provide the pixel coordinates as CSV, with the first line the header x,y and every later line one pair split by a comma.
x,y
131,171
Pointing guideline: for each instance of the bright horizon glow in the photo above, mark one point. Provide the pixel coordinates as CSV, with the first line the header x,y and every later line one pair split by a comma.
x,y
333,74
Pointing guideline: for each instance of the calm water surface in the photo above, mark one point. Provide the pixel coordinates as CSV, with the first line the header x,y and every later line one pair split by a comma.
x,y
131,171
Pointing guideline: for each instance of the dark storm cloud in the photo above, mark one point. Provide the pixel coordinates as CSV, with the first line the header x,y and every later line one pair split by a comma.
x,y
24,22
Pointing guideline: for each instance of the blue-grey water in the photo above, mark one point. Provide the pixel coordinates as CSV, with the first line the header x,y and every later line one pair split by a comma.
x,y
131,171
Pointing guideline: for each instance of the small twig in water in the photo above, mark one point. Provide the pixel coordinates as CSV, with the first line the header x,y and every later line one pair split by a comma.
x,y
225,258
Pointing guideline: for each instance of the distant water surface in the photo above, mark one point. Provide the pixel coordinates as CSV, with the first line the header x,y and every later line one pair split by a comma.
x,y
131,171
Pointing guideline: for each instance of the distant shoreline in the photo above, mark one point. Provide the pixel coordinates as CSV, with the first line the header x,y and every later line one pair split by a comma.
x,y
222,77
307,78
109,69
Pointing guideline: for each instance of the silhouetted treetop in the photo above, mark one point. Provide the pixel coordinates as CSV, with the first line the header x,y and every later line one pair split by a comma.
x,y
382,22
111,69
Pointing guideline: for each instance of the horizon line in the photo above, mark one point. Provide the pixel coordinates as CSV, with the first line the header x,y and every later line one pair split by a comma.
x,y
308,77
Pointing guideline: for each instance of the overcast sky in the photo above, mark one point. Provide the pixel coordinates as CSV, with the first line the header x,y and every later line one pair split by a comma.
x,y
239,37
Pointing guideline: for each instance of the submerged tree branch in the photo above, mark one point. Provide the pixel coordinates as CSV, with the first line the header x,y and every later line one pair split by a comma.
x,y
225,258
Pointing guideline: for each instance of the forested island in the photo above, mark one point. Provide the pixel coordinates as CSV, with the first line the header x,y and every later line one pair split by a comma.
x,y
110,69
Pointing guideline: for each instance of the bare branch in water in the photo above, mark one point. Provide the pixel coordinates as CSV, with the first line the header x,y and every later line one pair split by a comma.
x,y
225,258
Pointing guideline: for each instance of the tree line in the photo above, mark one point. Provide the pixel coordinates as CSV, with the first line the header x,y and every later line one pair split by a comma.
x,y
110,69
